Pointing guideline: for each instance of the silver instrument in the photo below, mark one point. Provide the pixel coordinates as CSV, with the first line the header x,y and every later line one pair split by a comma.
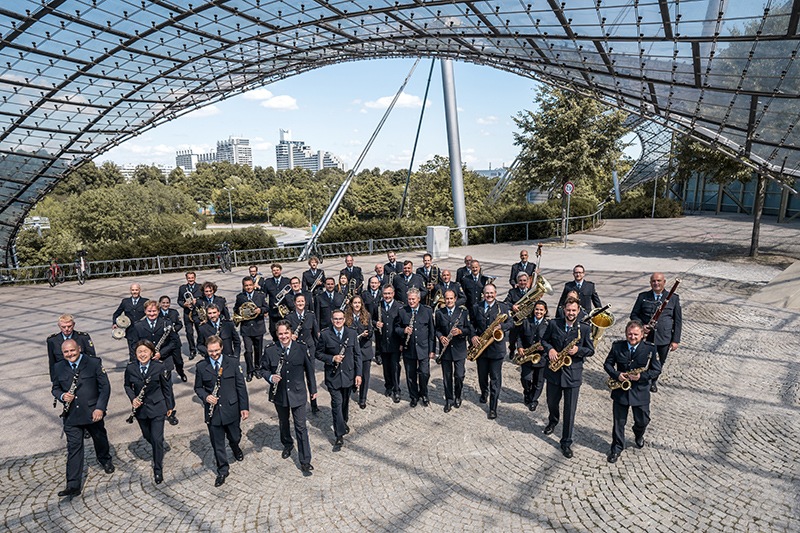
x,y
411,325
341,352
72,388
283,309
139,397
450,335
215,393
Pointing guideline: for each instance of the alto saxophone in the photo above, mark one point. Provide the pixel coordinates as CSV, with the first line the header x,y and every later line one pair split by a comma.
x,y
139,397
563,359
488,337
529,355
626,383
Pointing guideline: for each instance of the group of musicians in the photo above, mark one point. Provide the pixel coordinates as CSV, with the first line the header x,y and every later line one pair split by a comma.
x,y
402,314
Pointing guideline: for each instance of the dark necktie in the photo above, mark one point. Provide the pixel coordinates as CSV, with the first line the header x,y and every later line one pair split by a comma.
x,y
339,334
74,366
152,325
250,296
331,296
143,370
658,297
449,312
568,328
632,349
135,301
216,366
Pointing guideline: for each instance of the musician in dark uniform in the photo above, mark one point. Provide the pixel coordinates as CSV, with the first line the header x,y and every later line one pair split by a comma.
x,y
87,407
154,328
305,329
372,296
219,327
343,287
276,288
256,276
582,314
219,382
566,381
392,265
66,323
156,403
380,275
667,333
352,272
532,375
415,327
339,349
210,297
452,321
252,330
310,278
490,363
464,270
425,270
196,291
287,366
326,302
522,266
357,317
473,284
587,295
388,341
515,295
407,280
133,308
625,356
171,316
447,284
296,287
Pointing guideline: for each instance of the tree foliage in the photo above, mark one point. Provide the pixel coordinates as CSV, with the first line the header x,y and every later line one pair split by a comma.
x,y
694,158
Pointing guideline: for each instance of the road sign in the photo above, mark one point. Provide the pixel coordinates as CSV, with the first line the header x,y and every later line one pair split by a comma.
x,y
569,187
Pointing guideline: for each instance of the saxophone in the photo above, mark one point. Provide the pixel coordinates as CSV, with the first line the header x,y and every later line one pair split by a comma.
x,y
139,397
488,337
626,384
529,355
563,359
449,336
215,393
72,388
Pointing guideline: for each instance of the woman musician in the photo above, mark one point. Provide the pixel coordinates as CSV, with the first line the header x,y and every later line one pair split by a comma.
x,y
357,317
150,393
532,374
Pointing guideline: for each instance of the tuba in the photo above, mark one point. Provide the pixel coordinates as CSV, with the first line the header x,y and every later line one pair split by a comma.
x,y
248,311
488,337
123,322
526,304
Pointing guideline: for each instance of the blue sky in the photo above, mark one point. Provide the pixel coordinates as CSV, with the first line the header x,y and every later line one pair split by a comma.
x,y
337,108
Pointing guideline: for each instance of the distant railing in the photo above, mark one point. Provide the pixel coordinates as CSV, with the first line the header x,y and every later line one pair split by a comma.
x,y
486,233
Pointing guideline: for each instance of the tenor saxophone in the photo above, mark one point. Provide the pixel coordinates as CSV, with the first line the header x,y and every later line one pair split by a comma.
x,y
488,337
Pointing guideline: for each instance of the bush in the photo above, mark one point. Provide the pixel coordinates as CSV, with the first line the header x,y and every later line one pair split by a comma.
x,y
641,207
292,218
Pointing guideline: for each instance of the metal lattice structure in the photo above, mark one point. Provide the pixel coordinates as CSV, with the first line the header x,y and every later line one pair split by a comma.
x,y
81,76
654,161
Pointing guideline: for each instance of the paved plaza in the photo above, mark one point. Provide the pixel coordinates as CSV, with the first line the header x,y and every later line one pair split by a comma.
x,y
721,452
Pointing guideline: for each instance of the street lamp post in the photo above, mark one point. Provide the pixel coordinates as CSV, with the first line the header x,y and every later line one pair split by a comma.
x,y
230,204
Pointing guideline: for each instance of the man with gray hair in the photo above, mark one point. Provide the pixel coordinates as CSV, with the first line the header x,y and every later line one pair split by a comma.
x,y
416,331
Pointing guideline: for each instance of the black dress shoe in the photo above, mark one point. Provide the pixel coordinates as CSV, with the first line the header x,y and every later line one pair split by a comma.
x,y
548,429
484,397
640,441
346,429
286,452
257,373
531,406
425,401
108,468
653,388
238,454
387,393
338,443
447,407
413,402
74,491
457,402
86,435
306,468
183,376
362,405
492,415
612,457
567,452
396,397
158,478
220,479
172,419
192,355
249,379
378,360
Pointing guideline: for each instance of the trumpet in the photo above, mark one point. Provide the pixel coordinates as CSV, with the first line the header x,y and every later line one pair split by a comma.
x,y
488,337
283,309
529,355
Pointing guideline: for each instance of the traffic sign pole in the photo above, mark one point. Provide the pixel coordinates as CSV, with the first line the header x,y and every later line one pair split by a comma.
x,y
569,188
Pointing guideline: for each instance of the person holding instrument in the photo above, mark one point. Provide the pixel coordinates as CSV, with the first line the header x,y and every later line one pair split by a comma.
x,y
415,328
453,329
151,399
251,328
219,383
357,317
490,362
532,374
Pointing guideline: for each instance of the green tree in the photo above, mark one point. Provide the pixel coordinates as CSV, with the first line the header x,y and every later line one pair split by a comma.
x,y
147,173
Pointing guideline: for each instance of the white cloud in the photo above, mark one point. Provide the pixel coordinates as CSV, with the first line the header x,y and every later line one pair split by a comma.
x,y
405,100
354,142
262,146
156,150
283,102
203,112
258,94
485,121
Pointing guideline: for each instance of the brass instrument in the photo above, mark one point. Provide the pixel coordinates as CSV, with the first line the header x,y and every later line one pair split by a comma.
x,y
563,359
626,384
123,322
248,312
202,314
434,295
488,337
600,319
317,281
139,397
352,290
72,388
529,355
283,309
380,319
411,325
450,335
526,304
390,279
215,392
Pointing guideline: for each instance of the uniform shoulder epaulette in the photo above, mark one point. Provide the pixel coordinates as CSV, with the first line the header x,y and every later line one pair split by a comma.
x,y
53,335
80,333
648,343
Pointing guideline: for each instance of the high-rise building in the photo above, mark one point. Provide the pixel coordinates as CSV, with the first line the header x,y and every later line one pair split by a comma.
x,y
235,150
292,154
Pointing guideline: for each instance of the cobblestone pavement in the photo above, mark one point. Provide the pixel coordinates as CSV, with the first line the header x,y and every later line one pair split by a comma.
x,y
721,452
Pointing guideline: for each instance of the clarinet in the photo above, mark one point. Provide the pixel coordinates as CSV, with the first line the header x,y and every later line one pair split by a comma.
x,y
139,397
72,388
163,339
411,324
380,305
341,352
273,391
449,337
296,332
215,393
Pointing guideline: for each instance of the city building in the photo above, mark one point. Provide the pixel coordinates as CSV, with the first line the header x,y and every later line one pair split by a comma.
x,y
128,170
234,150
292,154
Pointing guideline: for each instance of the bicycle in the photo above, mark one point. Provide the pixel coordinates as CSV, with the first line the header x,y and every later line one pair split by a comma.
x,y
81,267
55,274
224,258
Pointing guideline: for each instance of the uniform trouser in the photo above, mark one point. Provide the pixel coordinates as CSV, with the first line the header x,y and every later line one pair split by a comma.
x,y
190,328
340,408
273,323
217,433
74,435
391,371
153,432
513,336
532,379
663,351
641,418
131,350
177,357
453,377
366,367
490,377
570,394
300,430
418,372
253,347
